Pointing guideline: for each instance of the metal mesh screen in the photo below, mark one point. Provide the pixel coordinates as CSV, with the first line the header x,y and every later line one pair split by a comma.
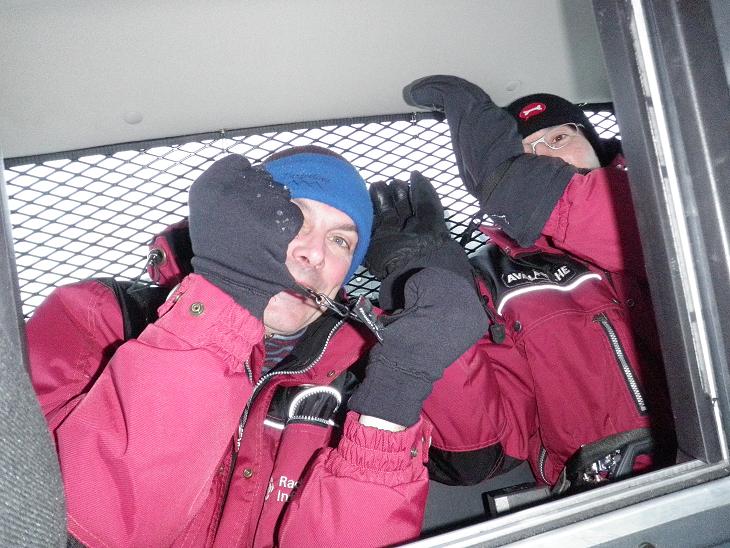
x,y
91,213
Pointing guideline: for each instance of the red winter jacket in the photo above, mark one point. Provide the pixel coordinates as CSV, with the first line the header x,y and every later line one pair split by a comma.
x,y
579,360
146,442
146,453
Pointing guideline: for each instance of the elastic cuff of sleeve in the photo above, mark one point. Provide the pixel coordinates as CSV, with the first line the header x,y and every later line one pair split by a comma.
x,y
382,451
377,456
204,316
380,440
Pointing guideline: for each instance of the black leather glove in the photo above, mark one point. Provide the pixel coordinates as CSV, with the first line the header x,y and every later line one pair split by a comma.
x,y
441,315
241,223
517,190
408,226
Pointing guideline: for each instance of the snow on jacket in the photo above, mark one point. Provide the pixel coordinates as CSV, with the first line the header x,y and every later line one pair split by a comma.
x,y
579,360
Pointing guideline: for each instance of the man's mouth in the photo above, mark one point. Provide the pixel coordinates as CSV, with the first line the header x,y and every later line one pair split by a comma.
x,y
304,288
311,294
305,292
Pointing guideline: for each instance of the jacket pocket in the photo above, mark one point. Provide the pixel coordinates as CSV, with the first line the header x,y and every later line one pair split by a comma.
x,y
623,362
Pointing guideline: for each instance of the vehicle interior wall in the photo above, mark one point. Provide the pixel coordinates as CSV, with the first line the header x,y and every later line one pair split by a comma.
x,y
79,74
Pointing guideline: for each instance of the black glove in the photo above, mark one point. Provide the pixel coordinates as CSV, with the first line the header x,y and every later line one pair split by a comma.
x,y
441,314
241,223
517,190
408,225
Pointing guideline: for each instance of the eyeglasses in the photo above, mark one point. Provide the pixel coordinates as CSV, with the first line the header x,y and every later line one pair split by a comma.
x,y
556,138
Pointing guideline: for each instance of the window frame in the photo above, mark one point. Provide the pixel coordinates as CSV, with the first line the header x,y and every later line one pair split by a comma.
x,y
672,103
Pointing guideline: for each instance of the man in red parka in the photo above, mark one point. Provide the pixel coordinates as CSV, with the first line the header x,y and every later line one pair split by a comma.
x,y
214,426
572,339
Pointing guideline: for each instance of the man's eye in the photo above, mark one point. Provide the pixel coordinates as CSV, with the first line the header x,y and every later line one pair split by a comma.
x,y
560,137
341,242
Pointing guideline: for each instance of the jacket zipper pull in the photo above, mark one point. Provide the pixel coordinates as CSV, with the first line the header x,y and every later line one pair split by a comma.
x,y
360,310
496,330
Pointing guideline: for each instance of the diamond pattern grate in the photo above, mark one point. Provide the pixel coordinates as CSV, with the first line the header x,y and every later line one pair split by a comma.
x,y
91,213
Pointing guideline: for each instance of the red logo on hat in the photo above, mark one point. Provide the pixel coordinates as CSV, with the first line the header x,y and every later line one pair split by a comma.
x,y
533,109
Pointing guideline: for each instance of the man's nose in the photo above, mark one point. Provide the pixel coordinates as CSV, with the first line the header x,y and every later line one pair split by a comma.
x,y
308,249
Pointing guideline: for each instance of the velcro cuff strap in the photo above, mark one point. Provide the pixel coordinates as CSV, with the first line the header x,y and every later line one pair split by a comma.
x,y
526,194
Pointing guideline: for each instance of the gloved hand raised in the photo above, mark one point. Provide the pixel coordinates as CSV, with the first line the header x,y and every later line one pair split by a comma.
x,y
428,277
241,224
483,135
517,190
409,232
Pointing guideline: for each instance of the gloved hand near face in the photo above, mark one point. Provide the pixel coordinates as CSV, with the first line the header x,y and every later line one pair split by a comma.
x,y
517,190
241,224
428,283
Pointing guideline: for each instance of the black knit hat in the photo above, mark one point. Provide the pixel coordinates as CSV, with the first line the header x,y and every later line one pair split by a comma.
x,y
541,110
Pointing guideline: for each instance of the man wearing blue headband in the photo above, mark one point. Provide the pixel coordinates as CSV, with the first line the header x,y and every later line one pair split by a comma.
x,y
226,421
301,220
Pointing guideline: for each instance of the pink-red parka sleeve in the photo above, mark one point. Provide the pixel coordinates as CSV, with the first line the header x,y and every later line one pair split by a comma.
x,y
139,451
71,337
595,220
368,491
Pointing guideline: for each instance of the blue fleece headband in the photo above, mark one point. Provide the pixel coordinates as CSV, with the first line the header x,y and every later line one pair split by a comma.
x,y
334,182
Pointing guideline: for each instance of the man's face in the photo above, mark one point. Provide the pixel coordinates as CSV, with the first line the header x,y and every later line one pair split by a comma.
x,y
319,258
578,150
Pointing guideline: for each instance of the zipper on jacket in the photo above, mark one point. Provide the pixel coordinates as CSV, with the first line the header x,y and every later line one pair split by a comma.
x,y
609,277
496,330
293,415
622,361
263,381
541,463
311,419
